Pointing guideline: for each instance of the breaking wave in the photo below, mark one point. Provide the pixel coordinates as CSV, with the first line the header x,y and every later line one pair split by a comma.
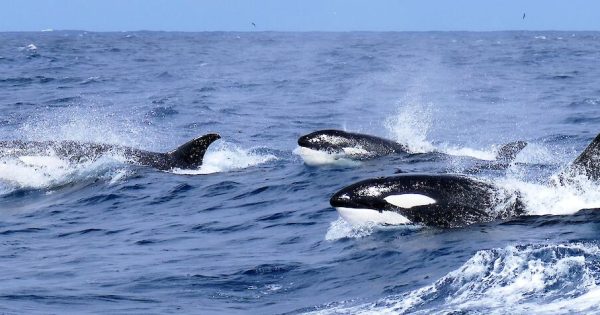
x,y
47,172
545,279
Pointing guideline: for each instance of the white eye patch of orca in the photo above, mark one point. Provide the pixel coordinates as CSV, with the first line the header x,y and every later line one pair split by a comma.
x,y
408,201
359,217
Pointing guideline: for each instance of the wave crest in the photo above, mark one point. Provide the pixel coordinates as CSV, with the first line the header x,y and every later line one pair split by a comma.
x,y
549,279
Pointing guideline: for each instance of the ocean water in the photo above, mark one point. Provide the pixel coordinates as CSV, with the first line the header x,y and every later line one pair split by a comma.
x,y
251,231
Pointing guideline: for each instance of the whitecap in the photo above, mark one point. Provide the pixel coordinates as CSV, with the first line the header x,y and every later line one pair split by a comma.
x,y
47,172
550,279
225,157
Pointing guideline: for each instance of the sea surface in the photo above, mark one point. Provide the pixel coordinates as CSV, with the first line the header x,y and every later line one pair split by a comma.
x,y
252,231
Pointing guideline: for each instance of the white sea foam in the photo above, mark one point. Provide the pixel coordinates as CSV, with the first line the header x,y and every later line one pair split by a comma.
x,y
31,47
554,199
488,155
223,157
319,158
547,279
340,228
46,172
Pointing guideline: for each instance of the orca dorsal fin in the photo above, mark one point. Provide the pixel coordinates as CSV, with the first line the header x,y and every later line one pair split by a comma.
x,y
508,152
588,162
191,154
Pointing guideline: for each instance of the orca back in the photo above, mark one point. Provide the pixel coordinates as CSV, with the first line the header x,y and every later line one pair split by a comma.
x,y
191,154
339,140
508,152
588,162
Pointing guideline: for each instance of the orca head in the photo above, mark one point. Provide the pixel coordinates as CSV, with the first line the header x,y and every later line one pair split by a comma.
x,y
384,200
330,141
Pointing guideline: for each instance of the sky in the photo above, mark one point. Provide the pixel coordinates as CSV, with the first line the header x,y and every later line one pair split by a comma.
x,y
300,15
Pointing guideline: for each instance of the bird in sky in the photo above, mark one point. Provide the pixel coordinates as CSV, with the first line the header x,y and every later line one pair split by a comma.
x,y
253,24
523,17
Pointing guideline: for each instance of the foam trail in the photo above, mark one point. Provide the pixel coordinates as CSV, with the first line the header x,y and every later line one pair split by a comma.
x,y
550,279
548,198
47,172
224,157
339,229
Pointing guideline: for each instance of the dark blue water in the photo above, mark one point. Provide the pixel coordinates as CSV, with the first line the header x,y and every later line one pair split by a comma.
x,y
252,230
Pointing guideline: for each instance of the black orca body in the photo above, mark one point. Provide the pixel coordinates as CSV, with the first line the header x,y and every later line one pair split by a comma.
x,y
357,146
426,199
187,156
354,145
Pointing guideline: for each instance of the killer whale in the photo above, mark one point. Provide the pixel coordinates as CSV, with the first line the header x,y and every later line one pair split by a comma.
x,y
444,200
187,156
351,145
338,144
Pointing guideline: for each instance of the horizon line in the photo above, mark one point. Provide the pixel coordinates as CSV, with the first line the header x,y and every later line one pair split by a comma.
x,y
49,30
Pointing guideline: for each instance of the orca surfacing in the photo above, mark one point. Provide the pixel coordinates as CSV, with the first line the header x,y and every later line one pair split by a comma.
x,y
355,146
337,144
445,200
442,200
187,156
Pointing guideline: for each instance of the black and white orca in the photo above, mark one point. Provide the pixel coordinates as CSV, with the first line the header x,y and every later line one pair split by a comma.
x,y
443,200
330,144
324,146
187,156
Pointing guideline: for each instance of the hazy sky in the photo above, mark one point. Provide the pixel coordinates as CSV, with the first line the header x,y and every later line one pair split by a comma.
x,y
301,15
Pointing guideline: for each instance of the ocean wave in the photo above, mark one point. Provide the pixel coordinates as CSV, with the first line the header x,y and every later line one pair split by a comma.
x,y
48,172
545,279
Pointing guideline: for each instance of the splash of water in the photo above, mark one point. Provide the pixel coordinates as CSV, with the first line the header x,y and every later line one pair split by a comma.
x,y
410,126
224,157
340,229
320,158
87,124
555,199
47,172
